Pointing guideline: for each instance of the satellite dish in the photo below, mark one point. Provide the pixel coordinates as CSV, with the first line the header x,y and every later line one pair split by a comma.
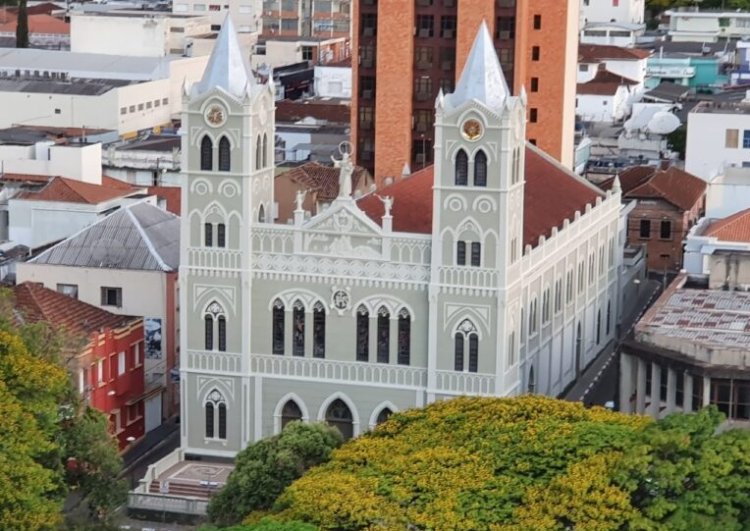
x,y
108,252
663,123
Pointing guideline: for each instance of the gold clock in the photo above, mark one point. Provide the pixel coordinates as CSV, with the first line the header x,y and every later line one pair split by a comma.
x,y
215,115
472,129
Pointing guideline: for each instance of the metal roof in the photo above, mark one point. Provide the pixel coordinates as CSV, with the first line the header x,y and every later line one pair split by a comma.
x,y
78,87
137,237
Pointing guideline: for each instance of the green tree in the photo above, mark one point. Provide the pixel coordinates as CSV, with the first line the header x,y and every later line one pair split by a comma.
x,y
677,139
22,26
265,468
529,463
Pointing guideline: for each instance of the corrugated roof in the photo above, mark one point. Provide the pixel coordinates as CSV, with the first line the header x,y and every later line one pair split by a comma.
x,y
139,237
551,195
36,304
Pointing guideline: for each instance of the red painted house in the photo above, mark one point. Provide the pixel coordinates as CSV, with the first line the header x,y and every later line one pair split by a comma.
x,y
108,369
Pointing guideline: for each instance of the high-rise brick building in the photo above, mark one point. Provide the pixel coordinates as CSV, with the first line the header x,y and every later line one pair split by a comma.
x,y
407,50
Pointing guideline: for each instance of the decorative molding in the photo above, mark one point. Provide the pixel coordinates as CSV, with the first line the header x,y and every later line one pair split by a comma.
x,y
456,203
374,303
204,292
280,408
206,384
454,314
484,204
376,412
201,186
229,188
290,296
349,403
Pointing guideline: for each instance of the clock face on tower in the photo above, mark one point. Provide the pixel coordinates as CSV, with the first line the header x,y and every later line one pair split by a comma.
x,y
216,115
472,129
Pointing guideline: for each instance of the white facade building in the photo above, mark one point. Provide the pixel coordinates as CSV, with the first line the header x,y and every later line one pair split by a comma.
x,y
134,33
718,136
333,81
690,25
492,273
627,11
611,33
247,14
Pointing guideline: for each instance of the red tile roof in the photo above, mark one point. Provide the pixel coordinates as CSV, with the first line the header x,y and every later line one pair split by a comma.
x,y
24,178
673,185
39,304
735,228
171,194
324,180
72,191
593,53
552,195
39,24
605,83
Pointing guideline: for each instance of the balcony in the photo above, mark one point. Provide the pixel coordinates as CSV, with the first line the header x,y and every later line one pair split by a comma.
x,y
341,371
214,258
465,383
469,277
214,361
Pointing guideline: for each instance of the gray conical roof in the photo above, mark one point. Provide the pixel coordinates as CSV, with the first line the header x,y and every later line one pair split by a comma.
x,y
482,78
227,67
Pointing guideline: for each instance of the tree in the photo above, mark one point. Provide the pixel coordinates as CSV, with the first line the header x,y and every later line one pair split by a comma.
x,y
22,26
265,468
677,139
529,463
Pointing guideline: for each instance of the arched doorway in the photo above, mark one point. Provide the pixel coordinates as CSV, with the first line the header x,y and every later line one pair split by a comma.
x,y
383,415
290,412
340,417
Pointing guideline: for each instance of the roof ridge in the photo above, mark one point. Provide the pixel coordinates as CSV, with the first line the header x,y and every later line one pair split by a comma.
x,y
146,239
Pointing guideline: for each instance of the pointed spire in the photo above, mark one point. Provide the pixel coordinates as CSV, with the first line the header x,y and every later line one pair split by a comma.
x,y
524,97
482,78
440,100
616,187
227,67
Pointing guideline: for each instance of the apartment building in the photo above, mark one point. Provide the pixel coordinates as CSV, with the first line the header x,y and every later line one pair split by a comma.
x,y
307,18
407,51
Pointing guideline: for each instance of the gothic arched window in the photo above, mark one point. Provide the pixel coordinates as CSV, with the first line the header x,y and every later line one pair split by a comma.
x,y
383,415
531,384
579,347
466,333
277,327
215,326
261,214
363,334
215,409
598,326
221,235
462,168
298,329
207,153
208,234
265,150
319,331
476,254
384,334
404,337
480,169
258,153
340,417
209,332
224,154
609,316
460,253
290,413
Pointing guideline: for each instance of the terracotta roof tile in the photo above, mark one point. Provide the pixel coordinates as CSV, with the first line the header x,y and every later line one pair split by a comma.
x,y
171,194
324,180
294,111
24,178
41,23
593,53
72,191
39,304
735,228
552,195
605,83
673,185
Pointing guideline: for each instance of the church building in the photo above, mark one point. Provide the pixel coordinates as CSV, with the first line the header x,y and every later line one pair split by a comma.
x,y
493,272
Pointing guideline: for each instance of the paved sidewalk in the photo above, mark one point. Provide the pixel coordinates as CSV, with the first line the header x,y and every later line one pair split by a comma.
x,y
602,367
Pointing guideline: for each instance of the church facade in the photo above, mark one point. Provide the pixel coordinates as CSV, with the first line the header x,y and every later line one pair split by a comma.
x,y
492,273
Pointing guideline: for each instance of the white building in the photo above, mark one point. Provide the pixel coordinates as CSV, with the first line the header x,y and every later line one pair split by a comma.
x,y
710,241
620,34
728,192
247,14
135,33
718,136
69,89
334,81
281,51
607,97
625,11
125,263
630,63
495,272
689,24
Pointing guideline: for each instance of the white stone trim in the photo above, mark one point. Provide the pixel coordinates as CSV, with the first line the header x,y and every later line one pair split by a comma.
x,y
350,404
374,302
378,409
280,407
